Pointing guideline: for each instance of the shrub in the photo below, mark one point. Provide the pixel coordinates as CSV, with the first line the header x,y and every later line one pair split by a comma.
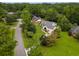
x,y
35,52
46,41
29,34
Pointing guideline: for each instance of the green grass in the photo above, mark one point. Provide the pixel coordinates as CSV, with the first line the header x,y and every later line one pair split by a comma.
x,y
35,39
38,33
25,42
12,33
65,46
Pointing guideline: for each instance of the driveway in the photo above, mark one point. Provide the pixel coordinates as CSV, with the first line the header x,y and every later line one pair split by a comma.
x,y
19,49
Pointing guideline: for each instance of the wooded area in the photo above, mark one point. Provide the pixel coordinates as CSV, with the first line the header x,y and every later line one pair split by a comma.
x,y
66,15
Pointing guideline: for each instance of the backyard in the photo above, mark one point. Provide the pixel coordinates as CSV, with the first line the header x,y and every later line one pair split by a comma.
x,y
64,46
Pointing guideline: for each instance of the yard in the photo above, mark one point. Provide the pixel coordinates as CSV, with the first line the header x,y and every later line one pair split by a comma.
x,y
35,39
65,46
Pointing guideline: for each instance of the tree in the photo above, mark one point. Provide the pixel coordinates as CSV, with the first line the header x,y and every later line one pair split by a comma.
x,y
49,14
50,40
63,22
7,44
67,11
2,13
10,19
26,15
27,25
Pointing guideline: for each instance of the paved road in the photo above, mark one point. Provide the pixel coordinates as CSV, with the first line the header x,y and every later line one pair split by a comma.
x,y
19,50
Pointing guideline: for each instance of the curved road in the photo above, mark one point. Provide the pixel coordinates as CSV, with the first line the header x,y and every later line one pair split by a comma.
x,y
19,49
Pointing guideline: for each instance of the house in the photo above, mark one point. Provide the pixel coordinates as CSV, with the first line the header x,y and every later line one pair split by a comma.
x,y
36,19
47,26
73,31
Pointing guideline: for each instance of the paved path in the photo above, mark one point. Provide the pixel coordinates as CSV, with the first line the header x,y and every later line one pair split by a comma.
x,y
19,50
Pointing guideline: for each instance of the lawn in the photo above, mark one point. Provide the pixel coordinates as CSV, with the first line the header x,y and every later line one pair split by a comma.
x,y
38,34
65,46
35,39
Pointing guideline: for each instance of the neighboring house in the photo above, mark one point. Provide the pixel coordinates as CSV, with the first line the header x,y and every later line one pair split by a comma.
x,y
47,26
73,31
36,19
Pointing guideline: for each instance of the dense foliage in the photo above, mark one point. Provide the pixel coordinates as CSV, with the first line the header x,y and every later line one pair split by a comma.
x,y
64,14
27,26
7,43
51,12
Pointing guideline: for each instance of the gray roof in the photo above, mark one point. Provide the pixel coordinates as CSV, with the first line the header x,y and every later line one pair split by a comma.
x,y
75,29
48,24
36,18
